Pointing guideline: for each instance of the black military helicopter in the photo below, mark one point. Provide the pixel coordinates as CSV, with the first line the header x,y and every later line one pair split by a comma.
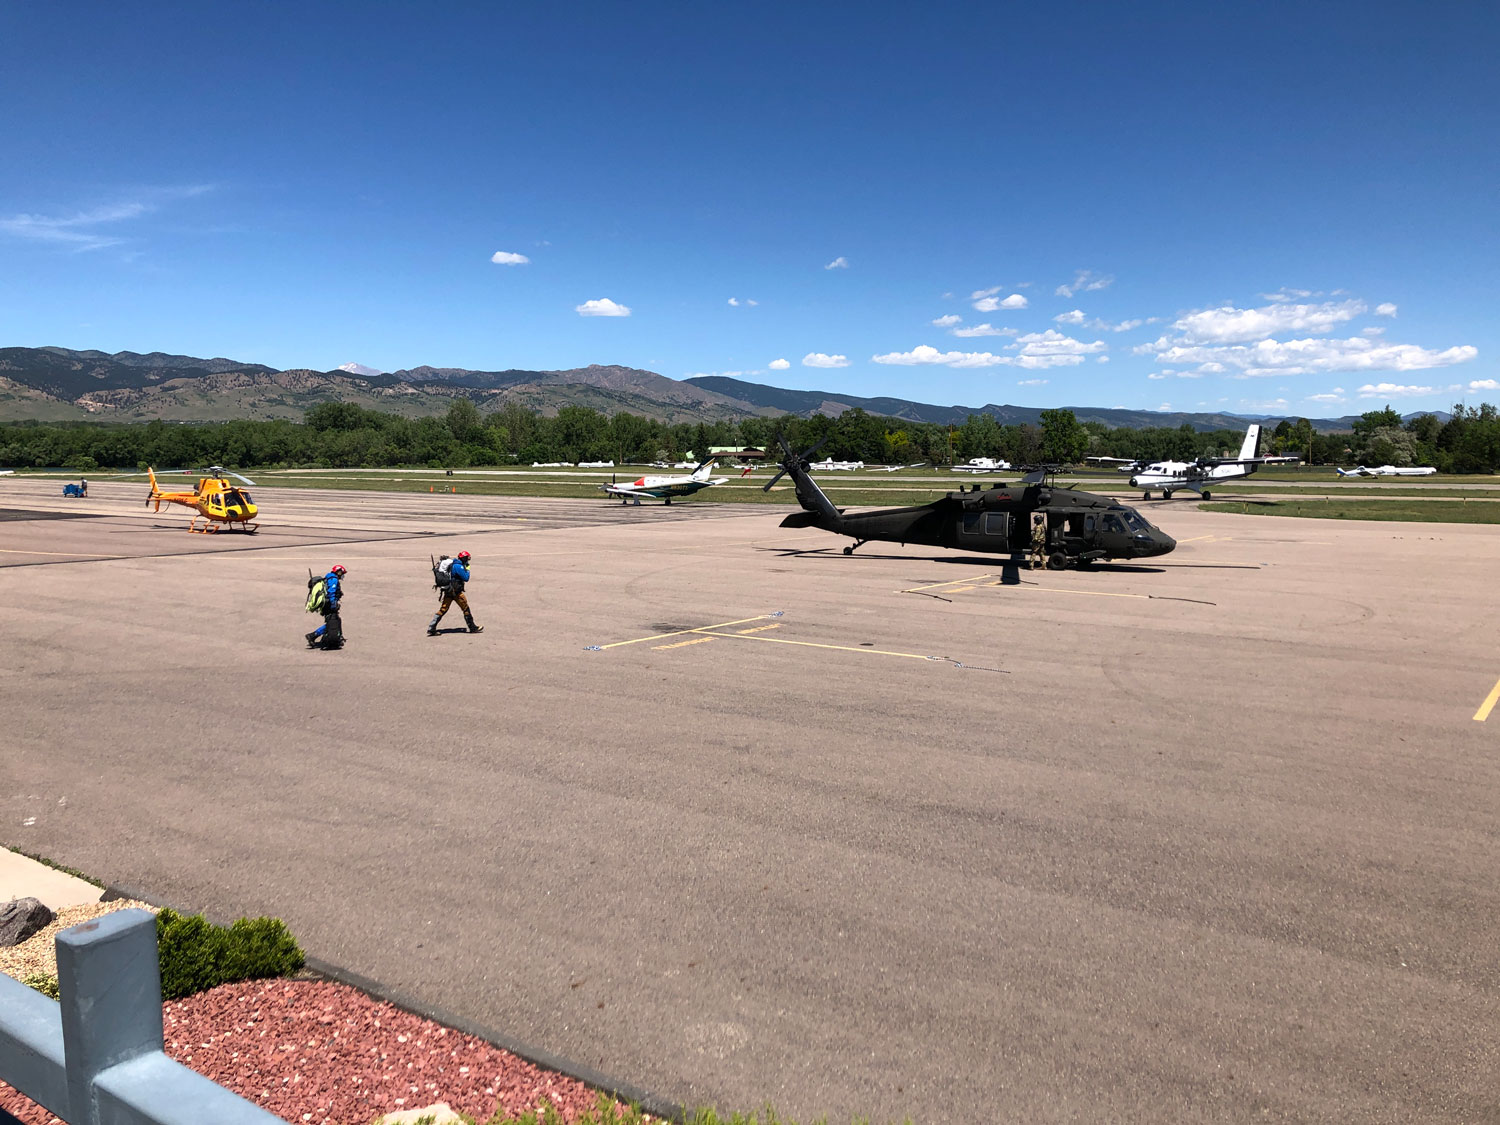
x,y
1081,527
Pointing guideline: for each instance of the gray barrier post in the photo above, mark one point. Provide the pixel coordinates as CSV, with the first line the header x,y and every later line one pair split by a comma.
x,y
109,983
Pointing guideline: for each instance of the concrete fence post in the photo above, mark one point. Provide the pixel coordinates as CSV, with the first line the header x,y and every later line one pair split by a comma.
x,y
109,985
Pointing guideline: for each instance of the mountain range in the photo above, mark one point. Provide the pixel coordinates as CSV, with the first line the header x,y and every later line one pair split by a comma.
x,y
59,384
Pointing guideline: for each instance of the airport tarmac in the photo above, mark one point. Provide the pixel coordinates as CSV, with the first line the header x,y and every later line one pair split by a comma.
x,y
719,811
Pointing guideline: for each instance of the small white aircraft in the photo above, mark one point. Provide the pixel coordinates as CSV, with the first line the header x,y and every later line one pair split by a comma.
x,y
982,465
895,468
664,488
596,464
829,465
1385,471
551,465
1195,476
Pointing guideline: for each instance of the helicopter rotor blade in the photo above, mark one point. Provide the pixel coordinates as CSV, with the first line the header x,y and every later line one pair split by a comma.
x,y
773,480
247,480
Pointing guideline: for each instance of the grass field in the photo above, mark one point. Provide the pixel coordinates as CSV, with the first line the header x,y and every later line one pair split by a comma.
x,y
1416,511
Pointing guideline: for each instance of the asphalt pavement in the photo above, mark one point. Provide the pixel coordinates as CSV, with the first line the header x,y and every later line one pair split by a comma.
x,y
719,811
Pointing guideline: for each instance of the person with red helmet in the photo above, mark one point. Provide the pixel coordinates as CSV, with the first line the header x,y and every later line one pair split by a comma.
x,y
451,576
324,596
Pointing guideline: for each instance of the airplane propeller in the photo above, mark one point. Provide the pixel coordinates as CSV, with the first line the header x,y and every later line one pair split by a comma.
x,y
789,459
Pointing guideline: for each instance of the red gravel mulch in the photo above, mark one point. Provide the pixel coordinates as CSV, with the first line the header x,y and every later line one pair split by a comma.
x,y
326,1053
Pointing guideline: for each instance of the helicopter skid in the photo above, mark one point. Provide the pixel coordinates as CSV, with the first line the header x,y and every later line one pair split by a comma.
x,y
212,527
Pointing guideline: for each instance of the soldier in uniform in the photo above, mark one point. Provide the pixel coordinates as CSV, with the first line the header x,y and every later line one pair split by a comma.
x,y
1038,540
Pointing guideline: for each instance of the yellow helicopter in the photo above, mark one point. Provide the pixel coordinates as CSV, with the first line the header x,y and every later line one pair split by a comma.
x,y
216,500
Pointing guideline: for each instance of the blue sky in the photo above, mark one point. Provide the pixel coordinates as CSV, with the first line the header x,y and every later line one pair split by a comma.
x,y
1268,208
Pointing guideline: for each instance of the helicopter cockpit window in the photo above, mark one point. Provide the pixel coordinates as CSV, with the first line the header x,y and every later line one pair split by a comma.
x,y
1136,522
1112,523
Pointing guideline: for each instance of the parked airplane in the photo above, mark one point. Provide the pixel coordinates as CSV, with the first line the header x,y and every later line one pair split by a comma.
x,y
829,465
596,464
981,465
664,488
896,468
1194,475
1385,471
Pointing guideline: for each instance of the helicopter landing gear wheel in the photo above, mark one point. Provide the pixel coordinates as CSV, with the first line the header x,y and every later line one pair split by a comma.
x,y
1057,561
849,550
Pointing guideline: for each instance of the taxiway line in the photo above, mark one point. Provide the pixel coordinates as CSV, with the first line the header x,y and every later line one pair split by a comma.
x,y
1489,704
814,644
60,554
684,632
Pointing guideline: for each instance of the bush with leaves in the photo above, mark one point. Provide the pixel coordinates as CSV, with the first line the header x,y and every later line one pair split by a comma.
x,y
197,955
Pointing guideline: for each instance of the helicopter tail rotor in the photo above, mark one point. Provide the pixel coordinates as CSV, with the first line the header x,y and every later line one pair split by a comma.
x,y
789,459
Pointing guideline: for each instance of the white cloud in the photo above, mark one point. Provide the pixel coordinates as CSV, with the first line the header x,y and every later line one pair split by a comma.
x,y
602,306
947,321
994,304
1284,295
1083,282
1101,359
820,359
735,302
839,263
359,369
1230,325
1373,330
778,365
924,354
1385,309
74,231
1396,390
506,258
982,330
1264,404
1483,385
1078,318
1303,357
1335,396
981,294
1054,343
1156,377
1031,382
1165,406
1075,317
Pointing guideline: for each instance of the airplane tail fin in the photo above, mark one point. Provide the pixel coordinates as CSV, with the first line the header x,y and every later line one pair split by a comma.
x,y
809,495
1342,473
1252,441
704,468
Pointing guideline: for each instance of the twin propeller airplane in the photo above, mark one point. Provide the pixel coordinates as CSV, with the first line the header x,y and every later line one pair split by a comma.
x,y
1195,476
664,488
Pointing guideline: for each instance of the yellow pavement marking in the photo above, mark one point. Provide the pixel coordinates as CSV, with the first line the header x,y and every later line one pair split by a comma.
x,y
683,644
758,629
812,644
683,632
1489,704
1194,539
60,554
950,582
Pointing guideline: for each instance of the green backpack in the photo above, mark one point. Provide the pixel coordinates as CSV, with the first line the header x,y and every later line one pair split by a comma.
x,y
317,595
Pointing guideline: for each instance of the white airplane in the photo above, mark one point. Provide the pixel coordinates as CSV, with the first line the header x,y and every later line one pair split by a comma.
x,y
664,488
829,465
596,464
1385,471
982,465
1195,476
551,465
896,468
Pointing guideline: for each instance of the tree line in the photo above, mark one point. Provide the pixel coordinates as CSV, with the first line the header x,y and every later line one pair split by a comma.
x,y
342,435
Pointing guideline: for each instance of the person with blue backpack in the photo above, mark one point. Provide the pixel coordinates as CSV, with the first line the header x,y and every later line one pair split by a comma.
x,y
324,596
450,576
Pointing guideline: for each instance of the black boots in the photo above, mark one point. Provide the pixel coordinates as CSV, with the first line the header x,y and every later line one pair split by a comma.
x,y
432,626
312,640
473,628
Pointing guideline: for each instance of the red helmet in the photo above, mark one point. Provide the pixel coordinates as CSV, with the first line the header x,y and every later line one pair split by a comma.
x,y
463,557
337,569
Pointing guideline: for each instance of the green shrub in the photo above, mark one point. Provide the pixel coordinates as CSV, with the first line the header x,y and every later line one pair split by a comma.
x,y
196,955
46,985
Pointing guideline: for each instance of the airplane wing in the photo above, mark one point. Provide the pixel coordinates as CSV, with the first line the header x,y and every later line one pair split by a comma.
x,y
1114,460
